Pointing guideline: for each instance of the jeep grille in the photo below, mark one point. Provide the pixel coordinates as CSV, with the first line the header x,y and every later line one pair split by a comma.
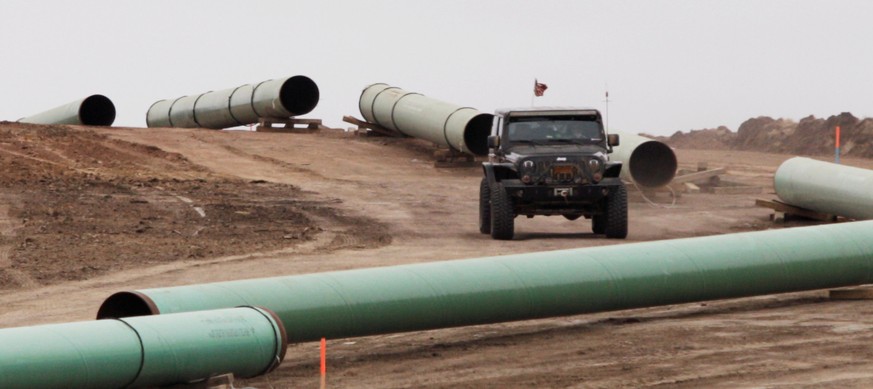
x,y
564,173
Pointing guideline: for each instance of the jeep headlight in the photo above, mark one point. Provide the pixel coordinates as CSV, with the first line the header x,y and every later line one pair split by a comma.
x,y
594,164
528,169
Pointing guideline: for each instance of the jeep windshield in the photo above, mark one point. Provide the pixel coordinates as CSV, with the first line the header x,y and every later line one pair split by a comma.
x,y
548,130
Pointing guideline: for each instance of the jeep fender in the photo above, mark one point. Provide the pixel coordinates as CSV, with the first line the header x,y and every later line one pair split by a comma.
x,y
613,169
496,172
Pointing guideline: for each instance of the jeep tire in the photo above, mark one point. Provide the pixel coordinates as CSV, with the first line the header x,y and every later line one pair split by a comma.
x,y
484,206
616,213
502,214
598,223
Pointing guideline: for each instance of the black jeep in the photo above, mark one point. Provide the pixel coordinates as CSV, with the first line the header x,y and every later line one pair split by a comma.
x,y
551,161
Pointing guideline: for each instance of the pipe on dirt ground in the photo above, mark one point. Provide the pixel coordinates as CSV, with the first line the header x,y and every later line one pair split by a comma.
x,y
463,129
444,294
826,187
282,98
145,351
94,110
647,162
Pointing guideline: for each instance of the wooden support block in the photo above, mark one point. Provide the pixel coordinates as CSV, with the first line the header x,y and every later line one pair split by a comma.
x,y
224,381
691,188
289,125
790,210
859,293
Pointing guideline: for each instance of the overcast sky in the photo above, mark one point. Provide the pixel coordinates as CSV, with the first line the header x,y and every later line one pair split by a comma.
x,y
668,65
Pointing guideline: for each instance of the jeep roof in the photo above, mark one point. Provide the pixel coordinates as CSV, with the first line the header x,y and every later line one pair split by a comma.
x,y
521,111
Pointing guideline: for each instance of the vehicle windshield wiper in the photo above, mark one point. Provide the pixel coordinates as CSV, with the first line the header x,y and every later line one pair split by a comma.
x,y
572,141
527,141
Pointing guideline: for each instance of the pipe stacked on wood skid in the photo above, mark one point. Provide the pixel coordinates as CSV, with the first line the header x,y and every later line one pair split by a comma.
x,y
463,129
94,110
282,98
142,351
825,187
647,162
527,286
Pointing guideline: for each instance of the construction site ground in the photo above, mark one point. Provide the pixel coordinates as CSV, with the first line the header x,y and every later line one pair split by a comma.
x,y
87,212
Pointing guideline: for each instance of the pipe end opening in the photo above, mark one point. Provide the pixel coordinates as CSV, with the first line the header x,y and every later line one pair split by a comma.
x,y
653,164
97,110
299,95
127,304
476,133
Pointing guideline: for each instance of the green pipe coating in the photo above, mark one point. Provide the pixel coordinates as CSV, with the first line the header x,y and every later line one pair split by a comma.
x,y
142,351
94,110
282,98
526,286
646,162
826,187
461,128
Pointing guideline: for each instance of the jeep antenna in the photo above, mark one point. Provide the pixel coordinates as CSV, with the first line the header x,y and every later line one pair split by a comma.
x,y
606,111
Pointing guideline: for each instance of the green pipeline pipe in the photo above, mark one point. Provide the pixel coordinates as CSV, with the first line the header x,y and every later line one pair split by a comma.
x,y
463,129
647,162
527,286
826,187
142,351
282,98
94,110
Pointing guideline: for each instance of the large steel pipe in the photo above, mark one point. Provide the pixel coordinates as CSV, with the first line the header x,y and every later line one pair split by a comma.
x,y
826,187
94,110
647,162
143,351
461,128
283,98
536,285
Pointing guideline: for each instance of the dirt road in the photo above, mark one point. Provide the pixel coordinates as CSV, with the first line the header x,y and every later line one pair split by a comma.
x,y
298,203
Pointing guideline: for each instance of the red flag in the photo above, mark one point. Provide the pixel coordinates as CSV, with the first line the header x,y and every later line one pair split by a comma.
x,y
539,88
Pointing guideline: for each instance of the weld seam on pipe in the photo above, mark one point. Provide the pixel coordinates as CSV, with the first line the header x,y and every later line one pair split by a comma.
x,y
373,108
394,107
252,99
170,111
446,126
141,351
194,108
230,106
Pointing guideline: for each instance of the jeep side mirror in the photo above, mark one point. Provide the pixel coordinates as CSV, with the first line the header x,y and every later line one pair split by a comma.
x,y
612,140
493,141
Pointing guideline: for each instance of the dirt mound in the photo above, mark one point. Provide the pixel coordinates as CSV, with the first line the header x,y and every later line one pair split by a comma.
x,y
810,136
78,204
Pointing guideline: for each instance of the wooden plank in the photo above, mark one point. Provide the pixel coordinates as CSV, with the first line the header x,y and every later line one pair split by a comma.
x,y
371,126
788,209
699,176
860,293
737,189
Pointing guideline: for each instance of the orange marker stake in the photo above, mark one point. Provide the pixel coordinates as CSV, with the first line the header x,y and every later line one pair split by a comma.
x,y
323,363
837,143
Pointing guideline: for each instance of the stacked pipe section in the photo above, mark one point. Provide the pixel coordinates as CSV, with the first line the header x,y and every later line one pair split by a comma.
x,y
246,104
462,129
537,285
647,162
825,187
94,110
143,351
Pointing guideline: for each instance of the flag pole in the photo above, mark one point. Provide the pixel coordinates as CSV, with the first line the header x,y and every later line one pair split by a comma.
x,y
533,93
